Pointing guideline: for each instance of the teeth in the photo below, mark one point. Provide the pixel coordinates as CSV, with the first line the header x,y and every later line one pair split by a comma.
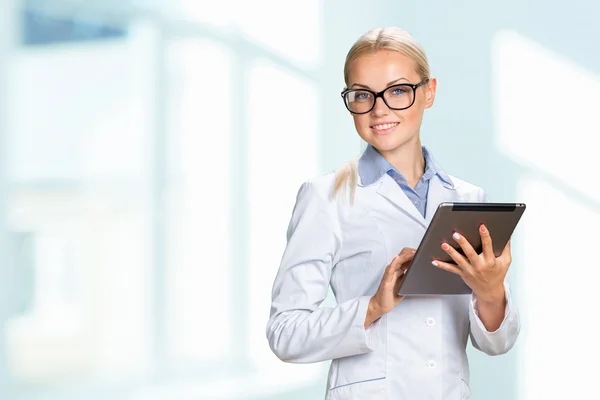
x,y
384,126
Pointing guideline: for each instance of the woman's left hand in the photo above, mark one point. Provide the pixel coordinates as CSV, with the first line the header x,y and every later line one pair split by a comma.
x,y
484,273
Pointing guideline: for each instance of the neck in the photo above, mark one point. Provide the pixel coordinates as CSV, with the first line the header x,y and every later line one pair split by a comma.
x,y
408,160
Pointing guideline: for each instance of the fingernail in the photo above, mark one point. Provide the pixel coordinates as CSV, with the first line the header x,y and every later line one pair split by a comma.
x,y
482,228
434,263
456,236
414,251
445,246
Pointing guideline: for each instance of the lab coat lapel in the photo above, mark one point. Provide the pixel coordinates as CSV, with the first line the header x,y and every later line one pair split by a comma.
x,y
439,192
392,192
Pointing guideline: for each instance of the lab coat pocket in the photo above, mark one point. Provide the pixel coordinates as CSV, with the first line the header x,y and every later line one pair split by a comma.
x,y
366,390
465,390
361,376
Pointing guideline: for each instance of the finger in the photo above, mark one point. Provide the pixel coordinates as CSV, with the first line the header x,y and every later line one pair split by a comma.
x,y
400,276
486,243
466,246
406,256
397,297
459,259
408,250
399,281
506,252
392,272
448,267
392,267
405,260
507,248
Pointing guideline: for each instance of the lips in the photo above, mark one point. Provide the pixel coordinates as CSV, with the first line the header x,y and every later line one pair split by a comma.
x,y
383,128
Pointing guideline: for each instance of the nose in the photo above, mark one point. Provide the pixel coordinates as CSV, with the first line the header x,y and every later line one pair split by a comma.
x,y
380,109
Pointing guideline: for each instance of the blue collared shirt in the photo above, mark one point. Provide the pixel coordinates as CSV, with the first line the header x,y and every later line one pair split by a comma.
x,y
372,165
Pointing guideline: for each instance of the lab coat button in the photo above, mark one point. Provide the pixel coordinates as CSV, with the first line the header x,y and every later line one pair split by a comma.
x,y
431,364
430,321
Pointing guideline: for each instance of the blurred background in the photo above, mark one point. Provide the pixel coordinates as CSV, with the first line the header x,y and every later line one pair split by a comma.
x,y
151,151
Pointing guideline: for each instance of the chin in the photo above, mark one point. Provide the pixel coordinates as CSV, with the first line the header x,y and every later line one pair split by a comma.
x,y
387,144
391,141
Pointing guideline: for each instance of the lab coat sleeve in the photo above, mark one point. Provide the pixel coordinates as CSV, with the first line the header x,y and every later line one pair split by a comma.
x,y
502,339
299,330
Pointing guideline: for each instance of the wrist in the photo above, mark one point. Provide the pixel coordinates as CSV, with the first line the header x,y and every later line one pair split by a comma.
x,y
494,296
373,312
373,308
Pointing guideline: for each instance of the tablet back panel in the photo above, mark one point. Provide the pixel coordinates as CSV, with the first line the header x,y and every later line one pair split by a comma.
x,y
422,278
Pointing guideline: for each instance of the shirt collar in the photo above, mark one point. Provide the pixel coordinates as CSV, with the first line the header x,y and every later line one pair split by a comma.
x,y
372,166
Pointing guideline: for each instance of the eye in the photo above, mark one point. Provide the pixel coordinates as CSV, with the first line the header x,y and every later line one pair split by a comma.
x,y
398,91
358,96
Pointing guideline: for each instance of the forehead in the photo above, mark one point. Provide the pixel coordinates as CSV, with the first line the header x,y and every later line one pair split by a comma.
x,y
378,68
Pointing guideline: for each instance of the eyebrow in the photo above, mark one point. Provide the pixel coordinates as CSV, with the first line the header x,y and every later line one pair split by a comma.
x,y
388,84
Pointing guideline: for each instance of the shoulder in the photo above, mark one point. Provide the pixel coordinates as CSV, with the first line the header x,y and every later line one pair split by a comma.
x,y
468,190
326,187
319,187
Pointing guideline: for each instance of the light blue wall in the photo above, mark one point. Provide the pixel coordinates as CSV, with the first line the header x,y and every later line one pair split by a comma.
x,y
460,130
7,291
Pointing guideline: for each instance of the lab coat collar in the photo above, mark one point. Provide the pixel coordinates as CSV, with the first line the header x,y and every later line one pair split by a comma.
x,y
372,166
439,192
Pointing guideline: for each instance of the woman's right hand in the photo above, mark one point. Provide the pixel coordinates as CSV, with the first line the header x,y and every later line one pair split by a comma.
x,y
387,297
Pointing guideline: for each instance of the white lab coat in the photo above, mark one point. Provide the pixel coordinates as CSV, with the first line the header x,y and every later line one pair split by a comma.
x,y
416,351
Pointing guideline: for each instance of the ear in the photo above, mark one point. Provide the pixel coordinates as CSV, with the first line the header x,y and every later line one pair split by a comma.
x,y
430,89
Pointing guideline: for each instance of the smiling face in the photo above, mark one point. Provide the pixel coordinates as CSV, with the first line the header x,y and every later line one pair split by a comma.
x,y
386,129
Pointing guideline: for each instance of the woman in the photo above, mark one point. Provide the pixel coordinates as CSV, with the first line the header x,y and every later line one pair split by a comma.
x,y
356,229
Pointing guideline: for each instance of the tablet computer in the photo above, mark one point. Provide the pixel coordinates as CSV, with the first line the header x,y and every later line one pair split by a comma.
x,y
423,278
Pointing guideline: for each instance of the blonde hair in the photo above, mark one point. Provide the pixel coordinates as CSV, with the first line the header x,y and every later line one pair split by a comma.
x,y
393,39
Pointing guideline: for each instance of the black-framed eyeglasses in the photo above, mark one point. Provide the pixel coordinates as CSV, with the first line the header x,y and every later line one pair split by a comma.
x,y
396,97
